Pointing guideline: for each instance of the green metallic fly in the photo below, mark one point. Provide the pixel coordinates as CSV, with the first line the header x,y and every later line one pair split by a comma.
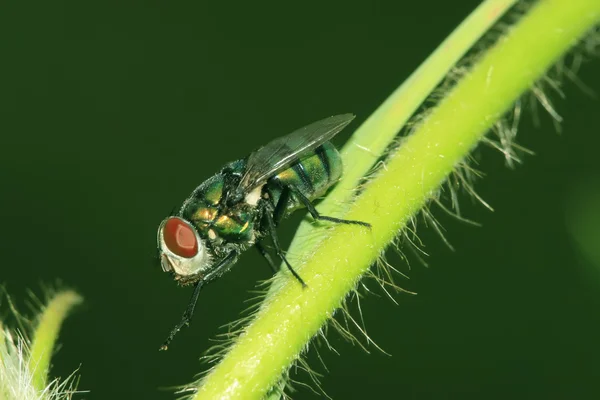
x,y
242,204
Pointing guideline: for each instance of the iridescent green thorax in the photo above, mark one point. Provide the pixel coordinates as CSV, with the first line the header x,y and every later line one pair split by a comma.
x,y
213,192
213,219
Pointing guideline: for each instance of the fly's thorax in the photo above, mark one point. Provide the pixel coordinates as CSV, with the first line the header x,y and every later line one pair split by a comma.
x,y
313,175
217,220
211,192
237,224
230,224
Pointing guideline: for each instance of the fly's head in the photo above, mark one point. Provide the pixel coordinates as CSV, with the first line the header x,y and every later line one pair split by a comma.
x,y
182,251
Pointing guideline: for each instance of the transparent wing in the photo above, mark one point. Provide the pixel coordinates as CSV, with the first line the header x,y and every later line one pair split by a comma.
x,y
280,153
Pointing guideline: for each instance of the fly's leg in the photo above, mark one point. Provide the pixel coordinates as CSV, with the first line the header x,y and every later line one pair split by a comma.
x,y
315,214
278,214
267,256
221,268
268,212
186,317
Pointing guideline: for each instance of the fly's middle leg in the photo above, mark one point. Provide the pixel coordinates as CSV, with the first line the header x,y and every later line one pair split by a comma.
x,y
269,225
316,215
263,252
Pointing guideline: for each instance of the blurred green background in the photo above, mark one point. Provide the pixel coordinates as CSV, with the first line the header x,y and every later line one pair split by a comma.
x,y
112,112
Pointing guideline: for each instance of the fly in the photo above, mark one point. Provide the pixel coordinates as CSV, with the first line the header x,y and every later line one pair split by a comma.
x,y
243,203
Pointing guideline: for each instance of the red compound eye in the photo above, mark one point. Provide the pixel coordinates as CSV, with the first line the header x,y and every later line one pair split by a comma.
x,y
180,238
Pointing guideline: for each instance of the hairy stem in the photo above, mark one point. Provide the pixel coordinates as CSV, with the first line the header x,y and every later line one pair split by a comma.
x,y
46,333
290,315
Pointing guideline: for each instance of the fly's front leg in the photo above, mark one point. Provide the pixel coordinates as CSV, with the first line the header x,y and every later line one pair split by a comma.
x,y
186,317
219,270
315,214
267,216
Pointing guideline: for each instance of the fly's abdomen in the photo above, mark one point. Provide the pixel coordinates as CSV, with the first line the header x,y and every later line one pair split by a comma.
x,y
312,175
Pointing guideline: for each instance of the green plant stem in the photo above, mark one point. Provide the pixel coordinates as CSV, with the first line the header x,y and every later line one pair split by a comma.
x,y
291,316
46,333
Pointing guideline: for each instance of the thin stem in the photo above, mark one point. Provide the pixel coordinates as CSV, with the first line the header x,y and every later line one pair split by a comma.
x,y
46,333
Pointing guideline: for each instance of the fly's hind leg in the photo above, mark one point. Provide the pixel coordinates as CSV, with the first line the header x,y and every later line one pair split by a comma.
x,y
315,214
